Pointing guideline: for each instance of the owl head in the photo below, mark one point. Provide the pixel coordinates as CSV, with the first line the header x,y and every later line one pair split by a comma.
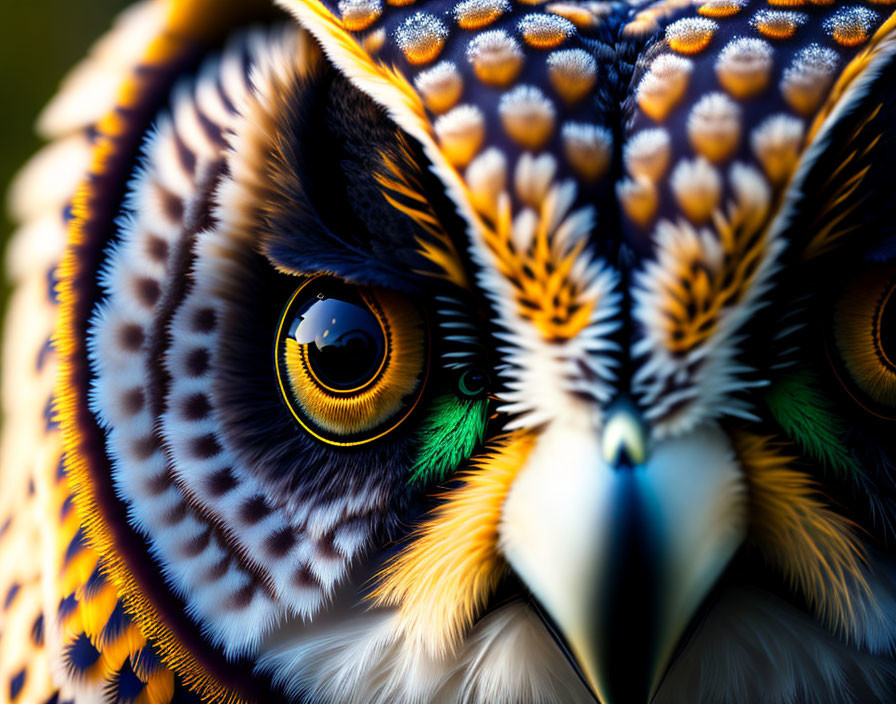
x,y
491,351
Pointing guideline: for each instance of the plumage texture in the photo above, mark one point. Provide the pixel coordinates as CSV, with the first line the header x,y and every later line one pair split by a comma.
x,y
455,428
455,554
814,546
808,417
628,433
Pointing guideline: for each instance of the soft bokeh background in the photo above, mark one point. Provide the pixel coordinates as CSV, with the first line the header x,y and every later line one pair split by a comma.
x,y
39,41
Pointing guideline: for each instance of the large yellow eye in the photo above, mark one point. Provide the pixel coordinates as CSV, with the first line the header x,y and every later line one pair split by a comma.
x,y
351,361
865,331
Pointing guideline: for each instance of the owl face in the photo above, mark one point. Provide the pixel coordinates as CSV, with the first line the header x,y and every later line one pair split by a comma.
x,y
491,352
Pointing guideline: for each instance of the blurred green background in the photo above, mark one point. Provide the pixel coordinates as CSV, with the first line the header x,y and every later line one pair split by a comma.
x,y
39,41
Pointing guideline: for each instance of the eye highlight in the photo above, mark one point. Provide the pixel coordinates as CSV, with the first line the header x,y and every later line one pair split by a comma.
x,y
865,332
351,362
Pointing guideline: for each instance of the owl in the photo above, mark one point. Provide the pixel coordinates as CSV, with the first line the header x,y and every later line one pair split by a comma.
x,y
457,352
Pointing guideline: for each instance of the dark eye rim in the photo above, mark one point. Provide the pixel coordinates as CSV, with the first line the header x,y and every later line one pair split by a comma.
x,y
307,423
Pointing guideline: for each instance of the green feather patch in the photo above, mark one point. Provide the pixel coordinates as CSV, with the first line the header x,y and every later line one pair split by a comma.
x,y
452,430
809,419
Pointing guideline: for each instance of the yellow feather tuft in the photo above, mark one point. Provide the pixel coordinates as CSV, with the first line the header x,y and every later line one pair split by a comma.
x,y
159,688
95,612
386,84
78,570
126,645
441,582
548,293
402,177
815,547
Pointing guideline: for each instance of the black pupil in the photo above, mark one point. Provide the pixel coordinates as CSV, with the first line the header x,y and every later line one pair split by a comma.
x,y
887,330
345,341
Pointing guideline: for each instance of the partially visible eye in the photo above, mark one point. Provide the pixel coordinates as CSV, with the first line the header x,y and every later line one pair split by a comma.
x,y
351,361
865,332
473,383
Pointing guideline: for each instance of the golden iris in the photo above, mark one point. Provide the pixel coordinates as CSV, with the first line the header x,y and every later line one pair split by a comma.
x,y
351,361
865,332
